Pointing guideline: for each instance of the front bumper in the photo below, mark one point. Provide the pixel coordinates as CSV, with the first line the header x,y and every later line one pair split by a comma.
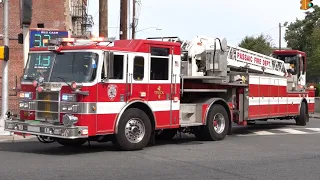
x,y
45,129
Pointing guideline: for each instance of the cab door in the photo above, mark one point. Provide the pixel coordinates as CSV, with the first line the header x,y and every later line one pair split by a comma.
x,y
137,77
111,94
163,86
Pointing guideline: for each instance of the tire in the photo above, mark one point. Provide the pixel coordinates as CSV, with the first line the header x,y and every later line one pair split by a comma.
x,y
303,117
166,134
142,125
72,142
208,132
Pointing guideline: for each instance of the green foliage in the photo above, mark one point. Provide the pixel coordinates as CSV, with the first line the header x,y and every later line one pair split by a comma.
x,y
304,35
317,93
261,44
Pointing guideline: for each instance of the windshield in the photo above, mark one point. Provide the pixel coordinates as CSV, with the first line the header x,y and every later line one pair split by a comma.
x,y
288,58
292,60
62,67
39,64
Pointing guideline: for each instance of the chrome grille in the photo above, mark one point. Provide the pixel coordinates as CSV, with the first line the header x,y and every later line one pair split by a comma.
x,y
48,106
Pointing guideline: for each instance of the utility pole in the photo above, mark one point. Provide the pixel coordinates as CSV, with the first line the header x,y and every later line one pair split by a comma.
x,y
103,18
5,94
133,25
124,19
279,36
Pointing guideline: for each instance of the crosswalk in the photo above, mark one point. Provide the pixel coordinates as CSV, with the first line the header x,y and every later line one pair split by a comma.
x,y
278,131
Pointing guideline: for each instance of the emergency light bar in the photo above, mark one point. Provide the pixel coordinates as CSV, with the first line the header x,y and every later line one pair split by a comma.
x,y
60,41
53,48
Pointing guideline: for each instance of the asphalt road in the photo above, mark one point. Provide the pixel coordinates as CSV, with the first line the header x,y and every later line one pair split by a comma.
x,y
273,150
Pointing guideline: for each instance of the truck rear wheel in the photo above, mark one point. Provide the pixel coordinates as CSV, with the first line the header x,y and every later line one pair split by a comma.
x,y
217,124
303,117
134,130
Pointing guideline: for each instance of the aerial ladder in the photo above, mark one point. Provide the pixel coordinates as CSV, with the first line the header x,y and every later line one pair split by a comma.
x,y
237,58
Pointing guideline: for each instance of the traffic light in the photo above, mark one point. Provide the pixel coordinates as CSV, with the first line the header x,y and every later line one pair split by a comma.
x,y
4,53
306,4
309,3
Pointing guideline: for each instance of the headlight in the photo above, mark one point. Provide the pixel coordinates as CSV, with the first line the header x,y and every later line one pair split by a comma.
x,y
26,95
69,97
70,108
69,120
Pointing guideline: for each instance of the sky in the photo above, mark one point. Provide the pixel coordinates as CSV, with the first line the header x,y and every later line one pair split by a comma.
x,y
230,19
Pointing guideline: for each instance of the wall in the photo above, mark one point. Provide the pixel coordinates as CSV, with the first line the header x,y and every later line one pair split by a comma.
x,y
53,13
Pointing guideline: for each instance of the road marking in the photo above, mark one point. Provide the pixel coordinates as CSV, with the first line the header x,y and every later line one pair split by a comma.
x,y
292,131
314,129
281,131
262,133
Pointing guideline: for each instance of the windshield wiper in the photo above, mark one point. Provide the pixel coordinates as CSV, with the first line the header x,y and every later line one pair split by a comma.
x,y
64,80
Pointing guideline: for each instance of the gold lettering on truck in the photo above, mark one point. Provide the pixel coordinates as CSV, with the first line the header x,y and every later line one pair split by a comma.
x,y
159,92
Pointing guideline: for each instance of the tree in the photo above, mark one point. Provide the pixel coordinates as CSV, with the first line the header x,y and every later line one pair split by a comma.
x,y
261,44
304,35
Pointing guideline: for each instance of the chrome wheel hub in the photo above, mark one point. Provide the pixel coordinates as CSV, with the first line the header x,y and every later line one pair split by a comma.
x,y
134,130
219,123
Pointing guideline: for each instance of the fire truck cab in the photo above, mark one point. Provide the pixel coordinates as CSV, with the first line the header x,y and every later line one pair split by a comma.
x,y
133,91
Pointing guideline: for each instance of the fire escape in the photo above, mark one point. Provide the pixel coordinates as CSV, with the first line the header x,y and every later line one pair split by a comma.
x,y
82,22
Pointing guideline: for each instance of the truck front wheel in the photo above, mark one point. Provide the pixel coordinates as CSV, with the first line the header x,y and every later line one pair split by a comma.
x,y
134,130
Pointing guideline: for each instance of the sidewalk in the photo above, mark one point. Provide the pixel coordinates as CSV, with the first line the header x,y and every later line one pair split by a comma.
x,y
13,138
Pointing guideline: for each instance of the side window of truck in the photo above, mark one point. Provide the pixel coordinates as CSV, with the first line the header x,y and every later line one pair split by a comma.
x,y
159,69
138,68
118,67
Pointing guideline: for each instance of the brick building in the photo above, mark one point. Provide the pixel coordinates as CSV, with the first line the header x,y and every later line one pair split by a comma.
x,y
68,15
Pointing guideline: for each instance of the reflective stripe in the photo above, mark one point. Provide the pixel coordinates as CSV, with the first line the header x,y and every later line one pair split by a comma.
x,y
115,107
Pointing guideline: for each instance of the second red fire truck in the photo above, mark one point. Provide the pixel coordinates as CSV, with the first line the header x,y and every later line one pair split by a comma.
x,y
133,91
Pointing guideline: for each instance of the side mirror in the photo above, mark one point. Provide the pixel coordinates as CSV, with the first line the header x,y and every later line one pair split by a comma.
x,y
110,64
224,44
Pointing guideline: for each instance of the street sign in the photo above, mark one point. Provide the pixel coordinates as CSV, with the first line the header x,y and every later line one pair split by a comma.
x,y
40,38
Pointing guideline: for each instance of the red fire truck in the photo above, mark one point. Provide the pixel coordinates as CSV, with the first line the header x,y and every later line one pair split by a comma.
x,y
132,92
